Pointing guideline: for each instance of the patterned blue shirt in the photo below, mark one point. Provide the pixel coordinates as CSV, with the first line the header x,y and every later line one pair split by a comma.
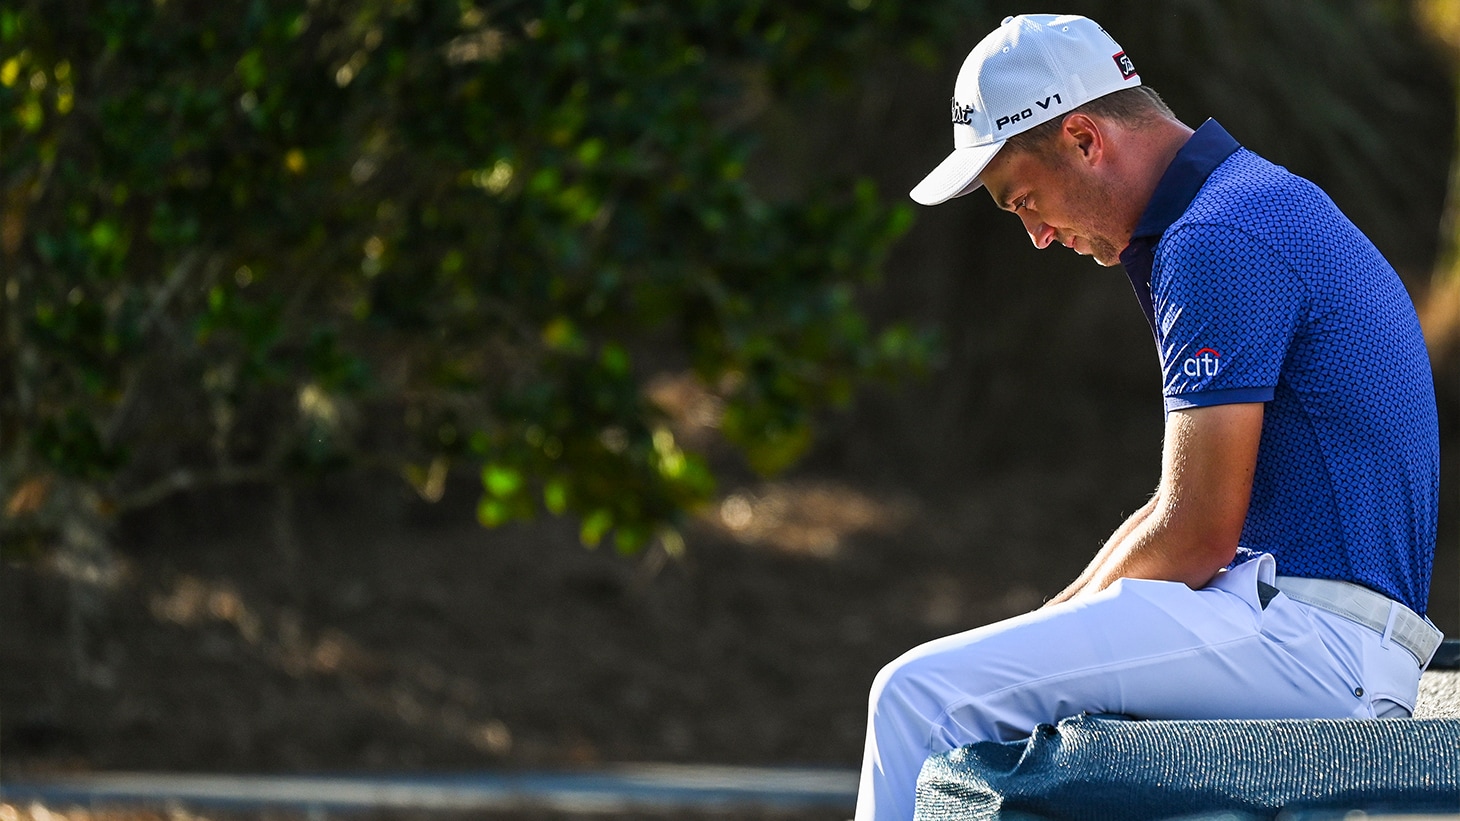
x,y
1258,289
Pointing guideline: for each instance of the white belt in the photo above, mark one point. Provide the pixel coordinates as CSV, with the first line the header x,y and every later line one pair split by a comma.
x,y
1376,611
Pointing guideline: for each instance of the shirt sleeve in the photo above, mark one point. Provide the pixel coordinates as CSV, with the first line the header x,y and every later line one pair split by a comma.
x,y
1226,308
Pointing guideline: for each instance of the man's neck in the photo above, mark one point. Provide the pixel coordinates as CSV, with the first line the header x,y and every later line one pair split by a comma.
x,y
1147,154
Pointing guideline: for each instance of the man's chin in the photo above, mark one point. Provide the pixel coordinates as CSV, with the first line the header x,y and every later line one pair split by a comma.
x,y
1102,252
1101,257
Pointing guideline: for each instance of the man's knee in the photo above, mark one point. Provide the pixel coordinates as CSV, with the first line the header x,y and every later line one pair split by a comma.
x,y
916,681
890,680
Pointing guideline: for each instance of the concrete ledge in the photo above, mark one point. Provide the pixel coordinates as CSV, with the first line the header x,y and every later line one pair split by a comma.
x,y
625,790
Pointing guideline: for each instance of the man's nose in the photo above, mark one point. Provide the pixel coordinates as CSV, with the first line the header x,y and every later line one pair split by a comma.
x,y
1039,232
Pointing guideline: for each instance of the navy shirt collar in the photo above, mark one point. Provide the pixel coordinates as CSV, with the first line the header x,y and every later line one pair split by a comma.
x,y
1207,148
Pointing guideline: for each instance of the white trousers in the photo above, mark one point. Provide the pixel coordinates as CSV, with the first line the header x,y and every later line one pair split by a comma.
x,y
1148,649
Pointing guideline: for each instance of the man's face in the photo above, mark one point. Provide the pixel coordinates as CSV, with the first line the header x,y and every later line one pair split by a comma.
x,y
1060,198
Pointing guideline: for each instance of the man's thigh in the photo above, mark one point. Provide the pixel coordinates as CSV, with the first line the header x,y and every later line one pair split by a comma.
x,y
1144,648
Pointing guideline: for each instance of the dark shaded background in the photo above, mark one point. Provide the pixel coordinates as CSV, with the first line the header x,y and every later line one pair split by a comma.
x,y
351,625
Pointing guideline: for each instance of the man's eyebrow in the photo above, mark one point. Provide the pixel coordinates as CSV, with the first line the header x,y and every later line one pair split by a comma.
x,y
1001,199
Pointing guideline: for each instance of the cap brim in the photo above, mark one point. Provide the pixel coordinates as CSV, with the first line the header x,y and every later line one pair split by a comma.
x,y
957,175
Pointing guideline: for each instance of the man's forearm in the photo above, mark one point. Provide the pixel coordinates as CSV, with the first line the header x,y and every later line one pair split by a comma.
x,y
1190,529
1098,565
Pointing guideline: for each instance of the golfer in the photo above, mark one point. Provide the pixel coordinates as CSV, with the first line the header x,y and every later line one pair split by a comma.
x,y
1282,568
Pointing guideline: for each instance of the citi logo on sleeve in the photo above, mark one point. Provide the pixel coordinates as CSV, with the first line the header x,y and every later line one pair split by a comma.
x,y
1205,362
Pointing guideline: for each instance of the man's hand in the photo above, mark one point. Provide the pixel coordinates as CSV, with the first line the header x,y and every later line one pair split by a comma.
x,y
1190,529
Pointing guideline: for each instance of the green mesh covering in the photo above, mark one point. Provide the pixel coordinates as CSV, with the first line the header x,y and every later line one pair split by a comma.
x,y
1113,768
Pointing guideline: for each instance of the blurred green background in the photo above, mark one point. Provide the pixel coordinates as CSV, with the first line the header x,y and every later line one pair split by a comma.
x,y
332,332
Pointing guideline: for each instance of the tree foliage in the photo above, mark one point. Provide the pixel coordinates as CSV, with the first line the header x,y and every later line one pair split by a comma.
x,y
246,241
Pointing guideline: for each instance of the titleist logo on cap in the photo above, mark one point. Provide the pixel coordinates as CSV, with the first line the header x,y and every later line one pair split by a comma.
x,y
962,114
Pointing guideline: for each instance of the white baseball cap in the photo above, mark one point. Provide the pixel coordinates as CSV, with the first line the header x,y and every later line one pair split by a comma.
x,y
1031,69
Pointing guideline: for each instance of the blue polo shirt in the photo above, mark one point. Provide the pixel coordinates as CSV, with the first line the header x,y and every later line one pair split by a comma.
x,y
1258,289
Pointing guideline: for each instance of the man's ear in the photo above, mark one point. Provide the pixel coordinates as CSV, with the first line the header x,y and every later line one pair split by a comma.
x,y
1083,134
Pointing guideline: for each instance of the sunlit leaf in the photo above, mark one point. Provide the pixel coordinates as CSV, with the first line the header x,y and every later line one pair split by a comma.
x,y
501,481
595,526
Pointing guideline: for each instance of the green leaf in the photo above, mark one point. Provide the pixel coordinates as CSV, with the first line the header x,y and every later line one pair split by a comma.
x,y
561,334
493,512
615,359
501,481
630,539
104,236
595,526
250,69
555,496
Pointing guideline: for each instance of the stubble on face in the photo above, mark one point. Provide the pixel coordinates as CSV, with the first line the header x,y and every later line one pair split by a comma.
x,y
1088,202
1080,205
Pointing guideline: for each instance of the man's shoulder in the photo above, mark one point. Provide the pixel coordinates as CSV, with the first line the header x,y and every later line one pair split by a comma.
x,y
1249,191
1253,200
